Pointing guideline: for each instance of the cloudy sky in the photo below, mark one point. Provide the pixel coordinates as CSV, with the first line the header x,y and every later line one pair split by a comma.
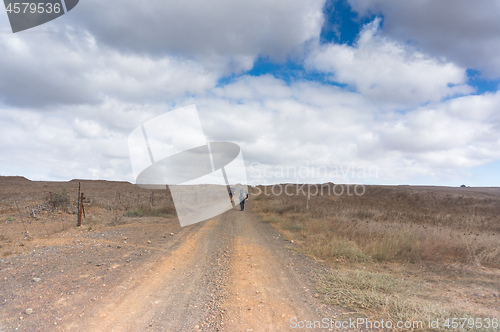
x,y
359,91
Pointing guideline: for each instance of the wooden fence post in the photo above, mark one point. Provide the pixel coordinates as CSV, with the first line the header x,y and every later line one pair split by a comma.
x,y
79,222
81,210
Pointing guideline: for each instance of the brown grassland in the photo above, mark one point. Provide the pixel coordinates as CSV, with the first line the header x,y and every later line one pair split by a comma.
x,y
399,252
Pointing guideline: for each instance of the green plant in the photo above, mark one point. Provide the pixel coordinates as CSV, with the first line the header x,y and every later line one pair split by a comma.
x,y
293,226
137,212
91,224
148,211
362,214
272,219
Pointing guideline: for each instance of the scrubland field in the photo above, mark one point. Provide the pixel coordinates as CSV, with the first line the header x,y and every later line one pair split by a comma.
x,y
399,251
395,252
37,209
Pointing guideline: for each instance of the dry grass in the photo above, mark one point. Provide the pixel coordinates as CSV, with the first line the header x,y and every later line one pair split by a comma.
x,y
400,253
392,224
380,296
379,293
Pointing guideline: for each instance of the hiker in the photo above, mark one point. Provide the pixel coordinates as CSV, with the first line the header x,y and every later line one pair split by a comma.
x,y
243,197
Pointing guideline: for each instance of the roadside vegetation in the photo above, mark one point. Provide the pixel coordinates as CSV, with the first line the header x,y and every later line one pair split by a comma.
x,y
399,253
149,211
31,209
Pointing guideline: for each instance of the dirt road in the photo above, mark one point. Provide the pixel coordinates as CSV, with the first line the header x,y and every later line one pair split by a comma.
x,y
232,273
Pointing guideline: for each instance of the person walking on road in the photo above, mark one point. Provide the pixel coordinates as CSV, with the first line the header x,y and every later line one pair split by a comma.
x,y
243,197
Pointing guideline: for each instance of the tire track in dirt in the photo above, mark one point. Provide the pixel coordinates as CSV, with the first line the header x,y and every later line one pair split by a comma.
x,y
173,294
265,291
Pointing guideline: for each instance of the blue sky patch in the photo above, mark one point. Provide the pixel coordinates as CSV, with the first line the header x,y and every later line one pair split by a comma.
x,y
289,72
480,84
342,25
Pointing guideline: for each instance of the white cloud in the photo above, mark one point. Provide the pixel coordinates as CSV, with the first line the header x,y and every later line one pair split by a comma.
x,y
304,124
448,135
390,72
73,141
43,70
327,126
148,52
465,32
236,29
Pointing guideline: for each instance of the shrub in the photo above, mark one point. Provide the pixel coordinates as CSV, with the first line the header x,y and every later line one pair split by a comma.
x,y
147,211
60,200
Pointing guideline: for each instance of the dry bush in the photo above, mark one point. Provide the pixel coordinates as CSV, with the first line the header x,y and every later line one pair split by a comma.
x,y
59,200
